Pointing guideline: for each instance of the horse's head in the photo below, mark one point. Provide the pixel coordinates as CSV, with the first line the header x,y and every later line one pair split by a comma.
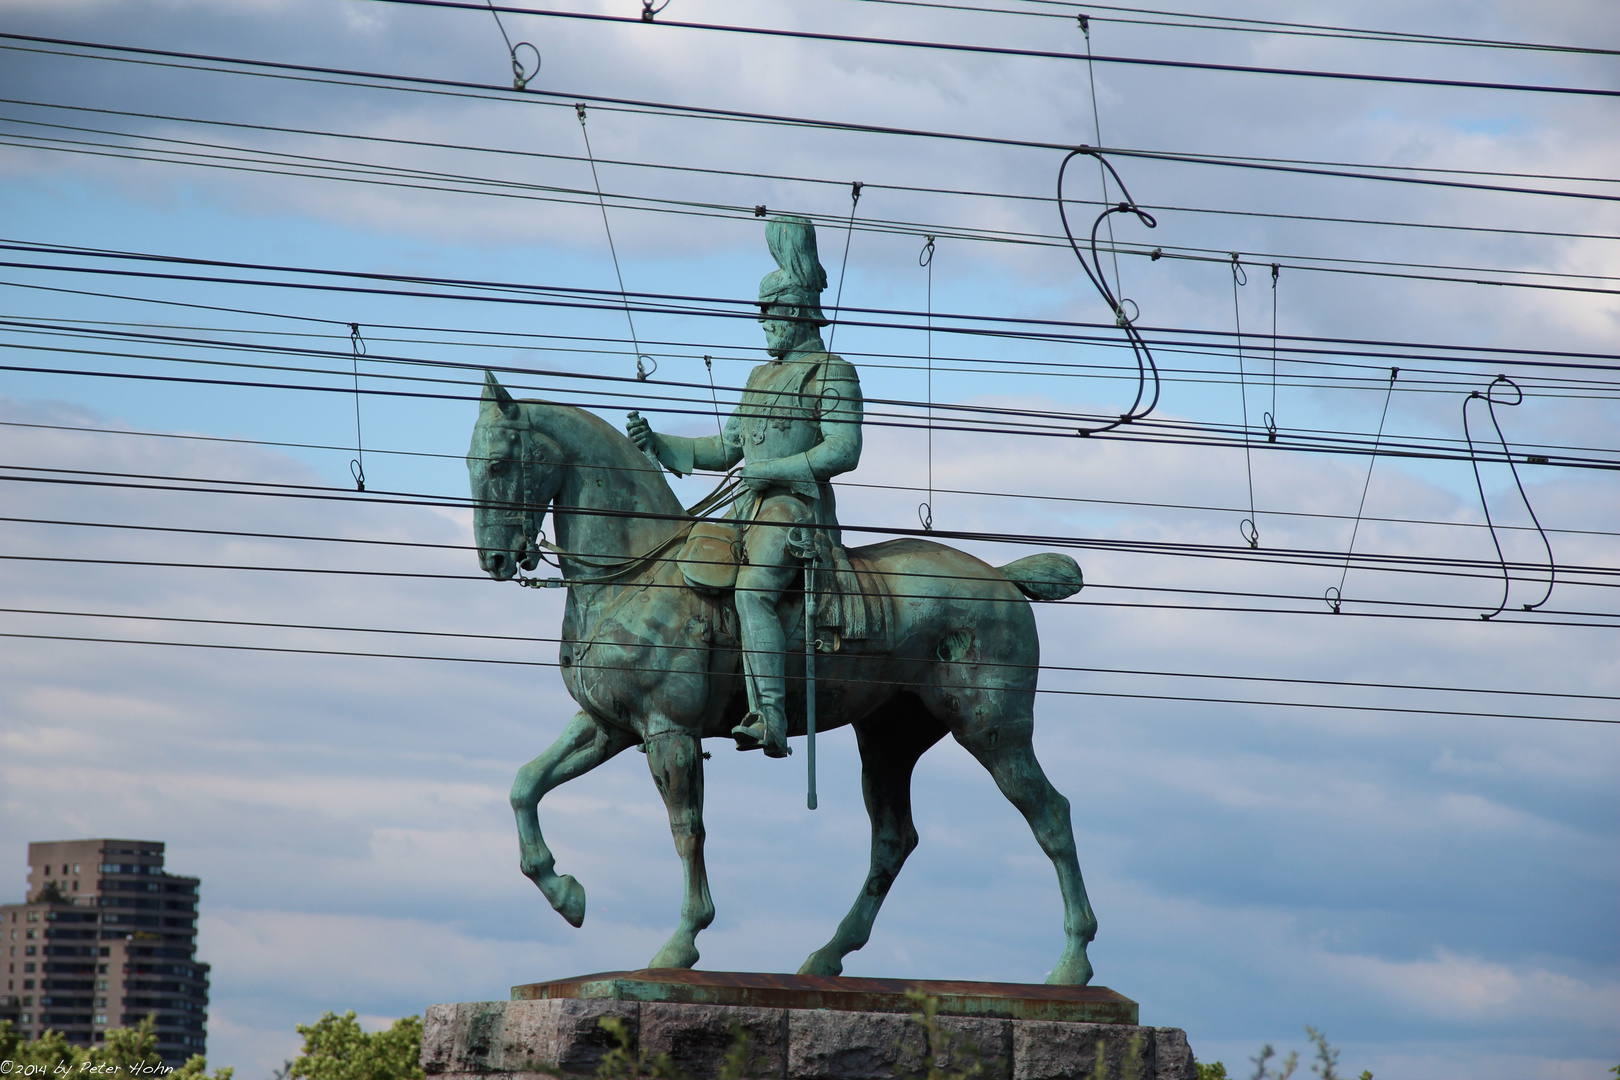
x,y
515,473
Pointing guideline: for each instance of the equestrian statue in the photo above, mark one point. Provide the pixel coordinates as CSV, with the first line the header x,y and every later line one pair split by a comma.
x,y
760,625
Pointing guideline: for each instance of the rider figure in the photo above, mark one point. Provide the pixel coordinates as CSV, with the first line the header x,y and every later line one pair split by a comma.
x,y
798,426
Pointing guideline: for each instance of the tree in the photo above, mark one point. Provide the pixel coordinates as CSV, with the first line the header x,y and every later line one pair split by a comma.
x,y
335,1048
126,1052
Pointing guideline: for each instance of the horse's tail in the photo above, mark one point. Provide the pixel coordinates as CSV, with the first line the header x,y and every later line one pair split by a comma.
x,y
1047,576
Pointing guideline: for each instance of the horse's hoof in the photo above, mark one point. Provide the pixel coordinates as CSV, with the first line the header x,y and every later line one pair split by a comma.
x,y
675,954
568,897
1071,971
821,963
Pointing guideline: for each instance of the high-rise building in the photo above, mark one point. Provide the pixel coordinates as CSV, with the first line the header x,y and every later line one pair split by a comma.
x,y
105,938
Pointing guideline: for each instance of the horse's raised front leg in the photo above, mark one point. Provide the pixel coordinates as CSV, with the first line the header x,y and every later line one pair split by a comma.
x,y
1007,753
583,745
890,744
676,761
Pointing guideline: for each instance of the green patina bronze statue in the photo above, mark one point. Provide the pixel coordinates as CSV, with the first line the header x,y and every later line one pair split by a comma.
x,y
681,626
799,425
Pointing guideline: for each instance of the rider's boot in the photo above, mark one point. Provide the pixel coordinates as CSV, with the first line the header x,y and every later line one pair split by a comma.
x,y
764,662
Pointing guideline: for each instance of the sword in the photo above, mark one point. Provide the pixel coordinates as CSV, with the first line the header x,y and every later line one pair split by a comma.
x,y
810,677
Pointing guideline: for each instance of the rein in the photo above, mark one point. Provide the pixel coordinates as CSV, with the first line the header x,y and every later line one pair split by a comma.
x,y
725,492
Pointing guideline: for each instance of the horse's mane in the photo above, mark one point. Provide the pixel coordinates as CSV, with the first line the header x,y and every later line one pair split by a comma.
x,y
600,443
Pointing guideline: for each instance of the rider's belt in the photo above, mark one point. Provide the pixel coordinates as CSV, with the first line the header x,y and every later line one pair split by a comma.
x,y
710,555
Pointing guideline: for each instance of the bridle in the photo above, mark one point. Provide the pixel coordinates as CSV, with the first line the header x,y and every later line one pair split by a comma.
x,y
526,513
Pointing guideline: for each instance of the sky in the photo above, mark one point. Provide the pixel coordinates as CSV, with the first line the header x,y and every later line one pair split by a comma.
x,y
1434,888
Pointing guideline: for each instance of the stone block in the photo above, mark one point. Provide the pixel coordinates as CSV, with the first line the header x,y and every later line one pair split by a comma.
x,y
576,1042
828,1045
1051,1050
438,1037
476,1047
562,1039
698,1037
1174,1056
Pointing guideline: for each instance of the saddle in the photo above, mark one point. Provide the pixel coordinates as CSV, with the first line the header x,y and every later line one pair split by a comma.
x,y
852,597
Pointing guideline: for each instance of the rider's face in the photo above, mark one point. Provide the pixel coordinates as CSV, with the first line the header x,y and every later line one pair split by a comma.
x,y
782,330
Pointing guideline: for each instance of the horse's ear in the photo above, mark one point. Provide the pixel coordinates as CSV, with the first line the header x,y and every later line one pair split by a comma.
x,y
495,394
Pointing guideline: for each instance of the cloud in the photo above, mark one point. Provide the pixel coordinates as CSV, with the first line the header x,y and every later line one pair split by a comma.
x,y
1436,891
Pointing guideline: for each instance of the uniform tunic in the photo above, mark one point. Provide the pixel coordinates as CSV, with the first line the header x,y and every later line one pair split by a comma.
x,y
798,425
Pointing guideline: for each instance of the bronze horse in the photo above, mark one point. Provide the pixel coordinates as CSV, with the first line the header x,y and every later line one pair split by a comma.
x,y
655,664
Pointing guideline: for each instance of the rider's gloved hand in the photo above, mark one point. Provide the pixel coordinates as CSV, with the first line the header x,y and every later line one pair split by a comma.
x,y
641,432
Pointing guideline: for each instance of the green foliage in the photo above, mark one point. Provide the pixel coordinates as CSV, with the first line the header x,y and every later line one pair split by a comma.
x,y
126,1052
335,1048
965,1058
1326,1066
623,1063
739,1060
1130,1068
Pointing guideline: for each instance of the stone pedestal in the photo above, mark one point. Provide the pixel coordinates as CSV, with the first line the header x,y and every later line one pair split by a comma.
x,y
803,1028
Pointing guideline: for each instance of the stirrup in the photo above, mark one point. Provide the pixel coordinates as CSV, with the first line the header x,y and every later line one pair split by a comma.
x,y
753,734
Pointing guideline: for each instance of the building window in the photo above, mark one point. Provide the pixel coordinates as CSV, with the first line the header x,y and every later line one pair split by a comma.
x,y
101,1018
28,984
101,984
33,933
28,1018
101,1003
75,868
28,968
28,951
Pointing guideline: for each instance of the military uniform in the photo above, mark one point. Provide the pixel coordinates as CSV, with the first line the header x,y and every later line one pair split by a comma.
x,y
798,426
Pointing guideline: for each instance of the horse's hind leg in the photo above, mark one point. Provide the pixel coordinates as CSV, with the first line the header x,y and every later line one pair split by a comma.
x,y
890,744
1006,751
676,761
583,745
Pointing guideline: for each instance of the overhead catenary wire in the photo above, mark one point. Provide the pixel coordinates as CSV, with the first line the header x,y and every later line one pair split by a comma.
x,y
417,179
756,175
1438,566
1037,54
678,647
461,88
1006,421
1203,700
1197,21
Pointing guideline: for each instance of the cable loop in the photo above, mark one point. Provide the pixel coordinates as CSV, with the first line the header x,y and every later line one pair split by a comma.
x,y
648,11
925,514
1145,365
1334,598
520,74
926,256
1250,531
1240,275
1488,395
643,373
